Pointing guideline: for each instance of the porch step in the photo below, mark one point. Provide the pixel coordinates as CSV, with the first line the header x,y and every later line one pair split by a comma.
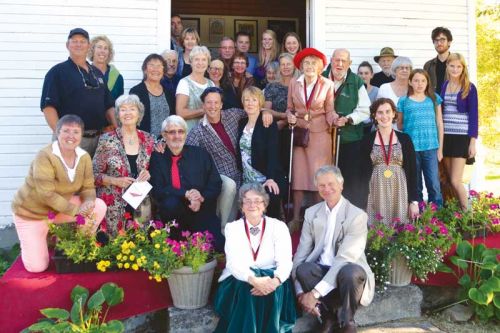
x,y
395,304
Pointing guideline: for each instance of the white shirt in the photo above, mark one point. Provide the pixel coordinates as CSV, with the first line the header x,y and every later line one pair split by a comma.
x,y
275,250
326,257
362,110
70,171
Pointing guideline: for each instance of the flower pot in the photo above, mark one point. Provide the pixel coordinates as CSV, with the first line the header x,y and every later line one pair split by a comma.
x,y
400,274
190,289
64,265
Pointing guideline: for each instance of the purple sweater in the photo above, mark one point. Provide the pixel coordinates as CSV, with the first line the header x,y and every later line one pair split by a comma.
x,y
469,105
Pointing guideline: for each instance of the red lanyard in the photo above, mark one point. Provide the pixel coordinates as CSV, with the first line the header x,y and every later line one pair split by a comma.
x,y
309,100
387,155
256,252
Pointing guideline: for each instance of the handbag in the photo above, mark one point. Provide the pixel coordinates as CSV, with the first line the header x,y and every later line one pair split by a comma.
x,y
300,137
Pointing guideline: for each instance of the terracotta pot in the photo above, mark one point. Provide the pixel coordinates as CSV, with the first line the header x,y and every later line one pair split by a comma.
x,y
190,290
400,274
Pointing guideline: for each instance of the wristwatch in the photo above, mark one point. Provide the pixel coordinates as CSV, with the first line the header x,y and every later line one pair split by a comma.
x,y
316,294
350,121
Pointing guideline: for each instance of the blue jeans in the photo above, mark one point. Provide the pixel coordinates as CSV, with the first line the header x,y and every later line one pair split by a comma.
x,y
427,163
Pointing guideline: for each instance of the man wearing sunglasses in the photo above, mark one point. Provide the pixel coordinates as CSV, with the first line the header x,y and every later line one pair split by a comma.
x,y
76,87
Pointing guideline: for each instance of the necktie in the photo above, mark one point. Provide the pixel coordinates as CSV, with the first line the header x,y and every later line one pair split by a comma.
x,y
176,179
254,230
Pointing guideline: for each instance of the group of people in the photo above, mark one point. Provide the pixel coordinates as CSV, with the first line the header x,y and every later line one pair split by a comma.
x,y
210,141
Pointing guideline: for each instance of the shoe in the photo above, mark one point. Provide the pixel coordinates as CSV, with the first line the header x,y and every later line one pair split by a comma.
x,y
351,327
329,325
294,225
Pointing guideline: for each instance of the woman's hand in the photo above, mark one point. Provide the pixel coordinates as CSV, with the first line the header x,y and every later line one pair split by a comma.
x,y
262,285
267,118
440,154
472,148
194,195
122,182
272,186
86,208
292,119
144,176
331,117
160,146
413,210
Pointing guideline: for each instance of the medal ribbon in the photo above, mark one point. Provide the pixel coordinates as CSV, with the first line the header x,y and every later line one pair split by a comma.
x,y
387,155
256,252
309,100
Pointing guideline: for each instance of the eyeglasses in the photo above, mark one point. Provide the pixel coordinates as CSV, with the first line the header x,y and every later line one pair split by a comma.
x,y
440,40
249,202
178,132
239,63
86,81
404,68
216,69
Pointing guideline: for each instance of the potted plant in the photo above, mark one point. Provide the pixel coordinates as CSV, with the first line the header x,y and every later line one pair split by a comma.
x,y
86,314
190,284
411,249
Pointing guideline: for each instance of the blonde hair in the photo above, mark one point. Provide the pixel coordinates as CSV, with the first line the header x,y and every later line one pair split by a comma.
x,y
464,77
256,92
93,44
263,61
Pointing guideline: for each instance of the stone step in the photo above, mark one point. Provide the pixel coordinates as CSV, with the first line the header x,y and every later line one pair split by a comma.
x,y
394,304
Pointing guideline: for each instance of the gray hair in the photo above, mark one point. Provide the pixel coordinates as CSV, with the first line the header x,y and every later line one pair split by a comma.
x,y
68,119
200,50
398,62
167,52
289,56
131,100
325,169
257,188
173,120
342,50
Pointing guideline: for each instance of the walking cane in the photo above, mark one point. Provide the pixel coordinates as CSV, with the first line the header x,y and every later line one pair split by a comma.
x,y
335,132
287,210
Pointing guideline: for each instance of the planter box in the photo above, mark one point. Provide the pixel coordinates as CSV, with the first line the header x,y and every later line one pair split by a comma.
x,y
65,265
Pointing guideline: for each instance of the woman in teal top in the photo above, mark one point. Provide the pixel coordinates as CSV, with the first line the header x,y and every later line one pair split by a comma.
x,y
101,53
421,118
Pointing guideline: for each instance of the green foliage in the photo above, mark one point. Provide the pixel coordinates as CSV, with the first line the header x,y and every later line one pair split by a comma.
x,y
76,243
479,278
7,257
85,316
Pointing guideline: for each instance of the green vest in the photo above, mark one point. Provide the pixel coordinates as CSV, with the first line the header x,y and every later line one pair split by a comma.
x,y
345,103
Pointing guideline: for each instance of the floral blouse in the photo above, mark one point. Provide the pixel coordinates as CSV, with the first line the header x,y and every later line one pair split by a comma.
x,y
110,159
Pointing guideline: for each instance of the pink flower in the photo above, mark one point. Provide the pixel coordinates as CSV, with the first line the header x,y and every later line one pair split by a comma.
x,y
421,205
380,233
458,215
421,238
175,224
473,193
185,233
489,195
396,220
410,227
157,224
443,230
51,215
493,206
434,207
80,220
434,220
378,217
132,224
495,221
428,230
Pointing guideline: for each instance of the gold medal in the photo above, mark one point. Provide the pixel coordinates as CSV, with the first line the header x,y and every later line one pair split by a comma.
x,y
306,117
387,173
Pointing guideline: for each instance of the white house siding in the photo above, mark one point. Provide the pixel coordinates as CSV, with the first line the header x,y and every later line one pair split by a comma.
x,y
32,40
364,27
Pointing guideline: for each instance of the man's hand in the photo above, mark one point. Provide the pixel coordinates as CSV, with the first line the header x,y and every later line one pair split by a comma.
x,y
272,186
194,195
194,205
341,121
267,118
308,303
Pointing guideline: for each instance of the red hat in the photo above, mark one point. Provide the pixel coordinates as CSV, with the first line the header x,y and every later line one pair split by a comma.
x,y
308,51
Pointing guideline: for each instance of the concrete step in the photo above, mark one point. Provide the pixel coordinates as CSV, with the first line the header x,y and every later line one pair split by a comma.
x,y
394,304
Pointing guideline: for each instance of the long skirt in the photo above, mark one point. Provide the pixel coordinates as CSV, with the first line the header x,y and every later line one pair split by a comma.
x,y
241,312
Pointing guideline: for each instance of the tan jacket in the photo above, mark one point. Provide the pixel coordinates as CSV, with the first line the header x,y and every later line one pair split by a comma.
x,y
349,241
322,103
48,188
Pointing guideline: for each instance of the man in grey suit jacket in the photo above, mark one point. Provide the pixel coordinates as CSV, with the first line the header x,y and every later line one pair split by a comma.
x,y
330,271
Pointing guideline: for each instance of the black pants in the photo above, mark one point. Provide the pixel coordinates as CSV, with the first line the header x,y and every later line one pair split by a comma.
x,y
342,302
349,156
204,219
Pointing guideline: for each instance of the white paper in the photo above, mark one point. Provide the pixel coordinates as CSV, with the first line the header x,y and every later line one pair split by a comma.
x,y
136,193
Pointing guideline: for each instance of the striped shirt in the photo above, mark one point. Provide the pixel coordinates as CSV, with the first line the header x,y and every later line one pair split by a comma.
x,y
454,122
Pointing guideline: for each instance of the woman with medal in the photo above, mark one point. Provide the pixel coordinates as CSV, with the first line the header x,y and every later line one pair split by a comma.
x,y
388,168
309,106
255,293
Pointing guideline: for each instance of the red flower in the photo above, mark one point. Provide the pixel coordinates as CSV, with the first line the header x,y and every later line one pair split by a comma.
x,y
108,199
127,216
119,225
458,215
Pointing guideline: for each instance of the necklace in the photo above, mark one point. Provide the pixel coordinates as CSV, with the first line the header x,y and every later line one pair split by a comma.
x,y
387,155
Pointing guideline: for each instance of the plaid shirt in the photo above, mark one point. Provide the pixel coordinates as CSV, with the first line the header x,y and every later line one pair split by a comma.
x,y
203,135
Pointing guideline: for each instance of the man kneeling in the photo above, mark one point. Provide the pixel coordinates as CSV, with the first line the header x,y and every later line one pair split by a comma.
x,y
330,271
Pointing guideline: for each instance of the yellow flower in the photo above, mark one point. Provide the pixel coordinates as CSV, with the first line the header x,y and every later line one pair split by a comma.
x,y
120,265
125,258
135,267
150,277
132,257
108,263
119,256
127,265
157,246
157,278
126,251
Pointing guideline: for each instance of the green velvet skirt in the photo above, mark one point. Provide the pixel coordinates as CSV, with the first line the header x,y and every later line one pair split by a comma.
x,y
240,312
